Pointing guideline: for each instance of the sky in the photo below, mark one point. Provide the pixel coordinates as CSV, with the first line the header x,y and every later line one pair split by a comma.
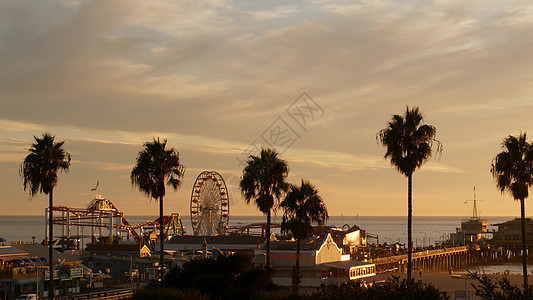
x,y
218,79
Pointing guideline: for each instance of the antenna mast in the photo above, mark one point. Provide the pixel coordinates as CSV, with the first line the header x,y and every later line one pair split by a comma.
x,y
475,214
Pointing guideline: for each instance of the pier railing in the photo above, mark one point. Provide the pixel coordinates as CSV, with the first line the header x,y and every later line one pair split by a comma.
x,y
420,254
437,259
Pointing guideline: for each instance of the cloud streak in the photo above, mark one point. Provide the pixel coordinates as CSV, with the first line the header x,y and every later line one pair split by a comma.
x,y
211,76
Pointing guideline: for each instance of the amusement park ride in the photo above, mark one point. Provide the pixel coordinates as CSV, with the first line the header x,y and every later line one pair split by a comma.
x,y
209,216
209,204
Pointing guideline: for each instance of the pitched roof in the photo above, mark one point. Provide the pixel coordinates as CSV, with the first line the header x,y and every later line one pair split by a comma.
x,y
345,265
38,250
216,239
310,244
11,251
514,221
112,248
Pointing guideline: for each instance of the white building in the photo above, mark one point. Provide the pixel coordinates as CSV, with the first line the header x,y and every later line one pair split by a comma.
x,y
321,262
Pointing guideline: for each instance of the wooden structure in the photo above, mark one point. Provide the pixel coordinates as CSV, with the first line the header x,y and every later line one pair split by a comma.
x,y
430,260
105,221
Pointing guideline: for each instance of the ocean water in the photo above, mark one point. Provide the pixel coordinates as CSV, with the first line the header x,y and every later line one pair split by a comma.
x,y
426,230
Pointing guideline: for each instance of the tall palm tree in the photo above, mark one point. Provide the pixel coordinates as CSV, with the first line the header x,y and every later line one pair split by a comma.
x,y
263,179
513,171
409,144
156,167
302,207
39,173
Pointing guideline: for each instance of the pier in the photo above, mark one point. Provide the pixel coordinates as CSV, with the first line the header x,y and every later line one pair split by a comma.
x,y
430,260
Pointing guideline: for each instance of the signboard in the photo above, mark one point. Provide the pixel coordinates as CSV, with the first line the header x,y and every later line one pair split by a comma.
x,y
47,275
77,272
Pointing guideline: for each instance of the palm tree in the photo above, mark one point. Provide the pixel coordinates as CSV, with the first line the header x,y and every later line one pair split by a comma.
x,y
39,173
513,171
409,144
263,179
156,167
302,207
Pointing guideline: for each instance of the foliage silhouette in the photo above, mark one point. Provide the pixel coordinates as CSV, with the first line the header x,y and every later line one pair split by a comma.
x,y
302,207
409,144
223,277
39,173
263,179
513,171
156,167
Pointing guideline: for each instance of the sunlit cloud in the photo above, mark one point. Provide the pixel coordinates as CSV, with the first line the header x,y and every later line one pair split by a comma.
x,y
211,76
105,166
16,126
276,13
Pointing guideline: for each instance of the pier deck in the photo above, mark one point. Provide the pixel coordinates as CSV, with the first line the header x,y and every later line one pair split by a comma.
x,y
428,260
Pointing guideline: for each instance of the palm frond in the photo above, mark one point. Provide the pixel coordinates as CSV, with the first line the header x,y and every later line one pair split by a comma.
x,y
156,167
263,179
40,167
302,206
512,168
409,143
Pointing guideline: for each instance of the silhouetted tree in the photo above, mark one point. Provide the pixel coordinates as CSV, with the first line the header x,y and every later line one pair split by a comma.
x,y
409,144
223,277
500,288
393,288
302,207
513,171
263,179
156,167
39,172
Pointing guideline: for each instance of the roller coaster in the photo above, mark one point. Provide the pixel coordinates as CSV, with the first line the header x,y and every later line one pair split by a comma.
x,y
101,216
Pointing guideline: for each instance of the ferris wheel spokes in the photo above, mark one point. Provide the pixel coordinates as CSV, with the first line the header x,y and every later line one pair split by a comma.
x,y
209,204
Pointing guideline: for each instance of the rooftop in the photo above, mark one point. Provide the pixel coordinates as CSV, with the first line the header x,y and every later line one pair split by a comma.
x,y
216,239
310,244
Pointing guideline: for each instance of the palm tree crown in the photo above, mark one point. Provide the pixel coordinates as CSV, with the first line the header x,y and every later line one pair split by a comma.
x,y
513,167
157,166
302,207
409,143
263,179
40,167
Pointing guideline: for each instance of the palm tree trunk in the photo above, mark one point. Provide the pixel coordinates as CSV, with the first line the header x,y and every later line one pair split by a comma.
x,y
524,248
51,290
161,240
409,225
268,239
296,270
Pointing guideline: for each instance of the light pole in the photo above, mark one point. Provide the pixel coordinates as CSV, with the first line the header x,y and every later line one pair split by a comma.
x,y
131,270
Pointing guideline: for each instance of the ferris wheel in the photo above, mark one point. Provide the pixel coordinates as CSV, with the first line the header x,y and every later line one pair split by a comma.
x,y
209,204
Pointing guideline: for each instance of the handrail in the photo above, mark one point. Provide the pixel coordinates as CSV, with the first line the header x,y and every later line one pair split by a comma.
x,y
426,253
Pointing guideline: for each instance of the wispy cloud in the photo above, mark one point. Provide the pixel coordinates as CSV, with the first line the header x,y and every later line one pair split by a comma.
x,y
275,13
17,126
210,76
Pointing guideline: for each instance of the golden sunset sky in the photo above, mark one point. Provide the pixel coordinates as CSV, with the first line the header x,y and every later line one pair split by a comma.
x,y
216,78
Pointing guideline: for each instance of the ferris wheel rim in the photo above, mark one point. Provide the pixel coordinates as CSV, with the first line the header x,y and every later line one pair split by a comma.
x,y
209,203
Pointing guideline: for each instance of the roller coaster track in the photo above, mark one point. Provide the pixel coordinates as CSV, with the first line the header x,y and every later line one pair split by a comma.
x,y
101,208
